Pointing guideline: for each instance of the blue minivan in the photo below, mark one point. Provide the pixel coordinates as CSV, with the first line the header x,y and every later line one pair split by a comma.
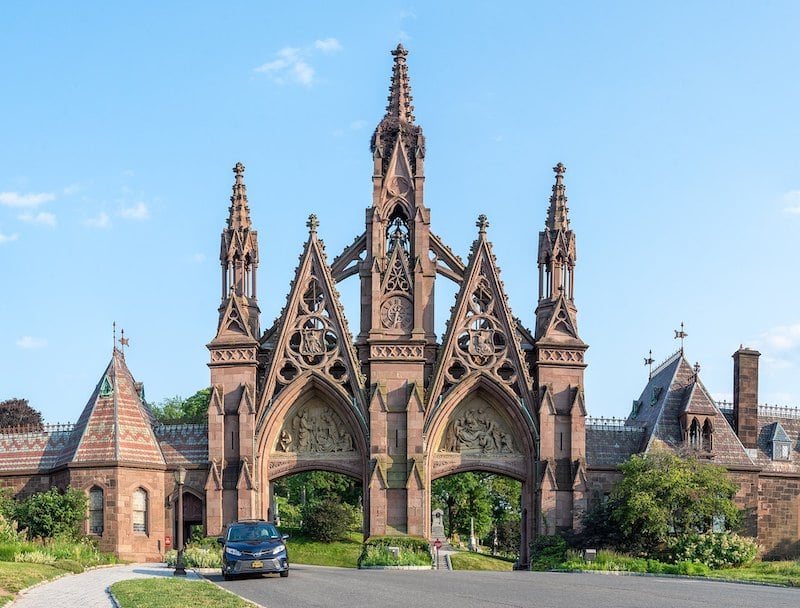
x,y
253,546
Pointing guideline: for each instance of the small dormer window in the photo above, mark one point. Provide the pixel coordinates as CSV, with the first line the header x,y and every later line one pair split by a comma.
x,y
781,450
781,443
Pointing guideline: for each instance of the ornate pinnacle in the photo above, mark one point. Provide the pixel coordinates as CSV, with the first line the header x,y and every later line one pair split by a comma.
x,y
400,90
239,216
482,223
557,218
312,223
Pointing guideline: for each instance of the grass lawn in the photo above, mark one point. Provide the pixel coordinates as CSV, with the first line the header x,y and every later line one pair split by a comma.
x,y
163,592
780,573
343,554
477,561
14,577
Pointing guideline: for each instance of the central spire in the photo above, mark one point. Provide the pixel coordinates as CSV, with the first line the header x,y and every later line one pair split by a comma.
x,y
398,122
400,90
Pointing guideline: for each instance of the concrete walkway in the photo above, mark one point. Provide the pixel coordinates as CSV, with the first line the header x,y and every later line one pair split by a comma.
x,y
89,589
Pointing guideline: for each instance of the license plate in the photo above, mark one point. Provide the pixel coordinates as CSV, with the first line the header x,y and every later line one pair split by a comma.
x,y
256,565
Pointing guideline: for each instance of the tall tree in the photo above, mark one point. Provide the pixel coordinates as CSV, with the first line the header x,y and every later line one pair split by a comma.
x,y
663,495
176,409
17,412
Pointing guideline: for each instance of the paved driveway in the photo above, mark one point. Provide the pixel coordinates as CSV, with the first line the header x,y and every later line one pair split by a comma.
x,y
318,587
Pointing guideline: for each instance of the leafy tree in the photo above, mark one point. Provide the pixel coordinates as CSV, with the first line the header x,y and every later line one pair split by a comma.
x,y
663,496
319,485
176,409
465,496
52,513
17,412
327,520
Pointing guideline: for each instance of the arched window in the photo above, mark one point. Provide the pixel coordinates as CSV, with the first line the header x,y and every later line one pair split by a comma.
x,y
139,507
694,434
96,510
708,432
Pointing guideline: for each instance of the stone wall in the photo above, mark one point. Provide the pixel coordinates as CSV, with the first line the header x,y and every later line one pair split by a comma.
x,y
779,516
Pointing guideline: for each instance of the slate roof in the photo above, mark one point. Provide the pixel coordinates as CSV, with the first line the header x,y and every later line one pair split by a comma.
x,y
183,444
674,389
114,427
612,445
770,420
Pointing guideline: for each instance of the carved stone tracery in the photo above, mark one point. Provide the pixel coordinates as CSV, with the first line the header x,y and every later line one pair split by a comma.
x,y
314,342
481,343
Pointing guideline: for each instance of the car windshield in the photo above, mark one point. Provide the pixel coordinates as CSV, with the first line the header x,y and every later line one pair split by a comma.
x,y
252,532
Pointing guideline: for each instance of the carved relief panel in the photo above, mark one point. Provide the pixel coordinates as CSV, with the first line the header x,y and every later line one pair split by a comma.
x,y
314,429
477,428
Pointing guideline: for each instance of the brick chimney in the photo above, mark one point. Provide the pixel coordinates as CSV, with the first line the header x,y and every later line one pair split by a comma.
x,y
745,395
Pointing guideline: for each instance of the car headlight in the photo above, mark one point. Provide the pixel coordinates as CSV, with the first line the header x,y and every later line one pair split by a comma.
x,y
278,549
232,551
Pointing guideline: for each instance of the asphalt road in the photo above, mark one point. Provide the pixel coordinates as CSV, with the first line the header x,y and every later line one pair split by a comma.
x,y
321,587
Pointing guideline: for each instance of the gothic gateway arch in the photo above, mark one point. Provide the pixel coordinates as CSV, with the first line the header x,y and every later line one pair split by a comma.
x,y
394,406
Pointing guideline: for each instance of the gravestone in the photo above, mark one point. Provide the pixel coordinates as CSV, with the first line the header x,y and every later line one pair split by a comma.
x,y
437,526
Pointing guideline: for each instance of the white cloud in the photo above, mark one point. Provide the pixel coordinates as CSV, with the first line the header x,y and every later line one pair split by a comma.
x,y
357,125
43,217
791,202
15,199
781,338
7,238
328,45
72,189
29,342
101,221
292,64
138,212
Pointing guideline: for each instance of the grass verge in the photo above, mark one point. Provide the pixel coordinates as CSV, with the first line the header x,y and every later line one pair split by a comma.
x,y
17,576
164,592
343,554
478,561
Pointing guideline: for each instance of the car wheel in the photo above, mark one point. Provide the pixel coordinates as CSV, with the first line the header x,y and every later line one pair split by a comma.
x,y
227,577
284,574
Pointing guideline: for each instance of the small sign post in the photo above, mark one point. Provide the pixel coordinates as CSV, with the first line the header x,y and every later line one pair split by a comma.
x,y
437,544
167,541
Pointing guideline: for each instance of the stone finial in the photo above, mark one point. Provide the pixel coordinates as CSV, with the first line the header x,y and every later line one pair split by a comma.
x,y
399,106
560,169
558,212
239,211
482,223
238,170
312,223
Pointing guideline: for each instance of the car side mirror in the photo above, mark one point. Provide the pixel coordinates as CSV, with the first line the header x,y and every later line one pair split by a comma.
x,y
285,536
220,540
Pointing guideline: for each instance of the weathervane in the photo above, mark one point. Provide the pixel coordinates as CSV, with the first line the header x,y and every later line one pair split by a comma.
x,y
681,334
648,360
123,342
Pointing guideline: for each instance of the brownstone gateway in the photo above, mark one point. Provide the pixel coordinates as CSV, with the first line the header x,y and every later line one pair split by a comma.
x,y
395,406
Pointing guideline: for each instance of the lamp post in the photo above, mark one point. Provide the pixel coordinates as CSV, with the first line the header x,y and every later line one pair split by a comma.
x,y
180,479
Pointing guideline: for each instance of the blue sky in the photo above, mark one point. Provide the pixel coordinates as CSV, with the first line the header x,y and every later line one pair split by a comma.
x,y
120,124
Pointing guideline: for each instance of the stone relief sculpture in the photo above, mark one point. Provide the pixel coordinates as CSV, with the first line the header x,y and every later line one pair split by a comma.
x,y
477,430
315,429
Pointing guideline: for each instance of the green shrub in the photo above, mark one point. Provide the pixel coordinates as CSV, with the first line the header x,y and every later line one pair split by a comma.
x,y
35,557
714,549
548,552
414,551
196,557
327,520
52,513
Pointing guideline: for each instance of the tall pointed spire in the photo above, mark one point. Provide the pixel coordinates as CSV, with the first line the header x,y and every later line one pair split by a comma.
x,y
398,122
400,90
239,211
557,218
